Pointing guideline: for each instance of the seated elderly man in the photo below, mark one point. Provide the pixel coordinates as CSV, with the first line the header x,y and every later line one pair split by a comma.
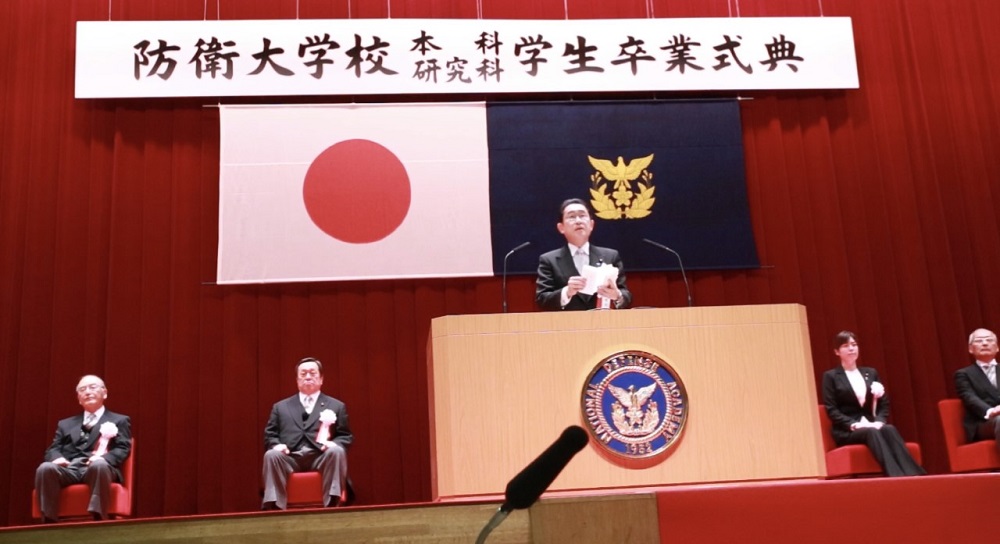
x,y
88,447
977,387
307,431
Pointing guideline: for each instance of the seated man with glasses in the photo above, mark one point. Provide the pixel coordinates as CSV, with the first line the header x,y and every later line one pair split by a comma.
x,y
979,389
88,447
560,272
308,431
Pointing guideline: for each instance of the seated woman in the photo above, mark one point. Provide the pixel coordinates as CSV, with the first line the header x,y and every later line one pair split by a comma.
x,y
859,410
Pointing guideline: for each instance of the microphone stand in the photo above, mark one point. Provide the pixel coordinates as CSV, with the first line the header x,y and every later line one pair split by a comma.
x,y
509,253
687,286
498,517
524,489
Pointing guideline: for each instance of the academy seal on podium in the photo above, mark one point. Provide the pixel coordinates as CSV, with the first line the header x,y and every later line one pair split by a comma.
x,y
634,407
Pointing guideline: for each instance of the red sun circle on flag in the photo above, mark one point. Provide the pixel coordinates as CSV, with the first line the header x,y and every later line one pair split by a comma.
x,y
357,191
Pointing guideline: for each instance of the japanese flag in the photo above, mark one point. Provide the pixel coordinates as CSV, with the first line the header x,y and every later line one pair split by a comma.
x,y
341,192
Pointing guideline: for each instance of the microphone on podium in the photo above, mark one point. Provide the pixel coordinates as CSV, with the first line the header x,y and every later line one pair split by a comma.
x,y
509,253
529,484
687,286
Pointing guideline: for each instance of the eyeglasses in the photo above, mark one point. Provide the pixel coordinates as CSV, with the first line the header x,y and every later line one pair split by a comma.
x,y
91,387
577,217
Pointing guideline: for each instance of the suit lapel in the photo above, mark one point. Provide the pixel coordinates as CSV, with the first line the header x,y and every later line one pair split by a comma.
x,y
845,383
866,373
596,256
313,416
322,403
76,428
294,410
869,375
567,268
982,382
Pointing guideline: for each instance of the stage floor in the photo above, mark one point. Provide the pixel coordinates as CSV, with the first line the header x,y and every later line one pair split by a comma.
x,y
927,509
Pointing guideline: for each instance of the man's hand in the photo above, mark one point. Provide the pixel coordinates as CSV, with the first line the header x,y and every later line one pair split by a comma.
x,y
282,448
61,462
609,290
992,412
574,285
93,458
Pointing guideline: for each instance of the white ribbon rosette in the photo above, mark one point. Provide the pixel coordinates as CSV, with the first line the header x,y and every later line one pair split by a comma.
x,y
108,431
878,390
326,419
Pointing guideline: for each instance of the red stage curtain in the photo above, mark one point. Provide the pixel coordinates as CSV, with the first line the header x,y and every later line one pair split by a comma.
x,y
875,208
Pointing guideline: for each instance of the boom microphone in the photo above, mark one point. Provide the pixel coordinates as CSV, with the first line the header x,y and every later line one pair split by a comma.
x,y
509,253
529,484
687,286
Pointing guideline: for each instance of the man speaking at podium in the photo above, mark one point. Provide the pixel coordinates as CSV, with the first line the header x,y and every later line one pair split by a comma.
x,y
561,271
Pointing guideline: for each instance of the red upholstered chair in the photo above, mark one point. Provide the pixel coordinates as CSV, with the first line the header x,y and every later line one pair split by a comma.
x,y
74,499
305,489
854,459
963,456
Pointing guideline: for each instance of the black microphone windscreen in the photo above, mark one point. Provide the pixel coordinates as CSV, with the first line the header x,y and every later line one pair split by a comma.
x,y
518,248
529,484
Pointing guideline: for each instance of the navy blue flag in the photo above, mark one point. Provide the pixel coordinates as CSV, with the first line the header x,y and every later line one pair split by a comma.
x,y
671,172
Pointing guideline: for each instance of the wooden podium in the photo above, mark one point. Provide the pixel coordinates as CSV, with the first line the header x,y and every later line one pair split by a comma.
x,y
504,386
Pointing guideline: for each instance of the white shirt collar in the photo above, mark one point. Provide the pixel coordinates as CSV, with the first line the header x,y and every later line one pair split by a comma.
x,y
98,413
303,397
585,247
986,366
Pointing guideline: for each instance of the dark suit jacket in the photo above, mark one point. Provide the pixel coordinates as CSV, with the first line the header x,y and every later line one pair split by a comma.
x,y
71,442
977,394
555,269
286,425
842,404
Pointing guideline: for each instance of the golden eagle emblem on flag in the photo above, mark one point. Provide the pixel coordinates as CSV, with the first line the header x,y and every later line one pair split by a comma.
x,y
623,202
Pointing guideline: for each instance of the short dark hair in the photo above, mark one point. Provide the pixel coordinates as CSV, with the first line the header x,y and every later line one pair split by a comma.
x,y
568,202
305,360
843,337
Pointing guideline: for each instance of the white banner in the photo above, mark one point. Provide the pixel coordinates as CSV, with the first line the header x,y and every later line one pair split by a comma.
x,y
117,59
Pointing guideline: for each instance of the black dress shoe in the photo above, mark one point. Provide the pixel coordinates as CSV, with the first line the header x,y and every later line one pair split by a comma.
x,y
333,503
97,516
268,506
49,520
